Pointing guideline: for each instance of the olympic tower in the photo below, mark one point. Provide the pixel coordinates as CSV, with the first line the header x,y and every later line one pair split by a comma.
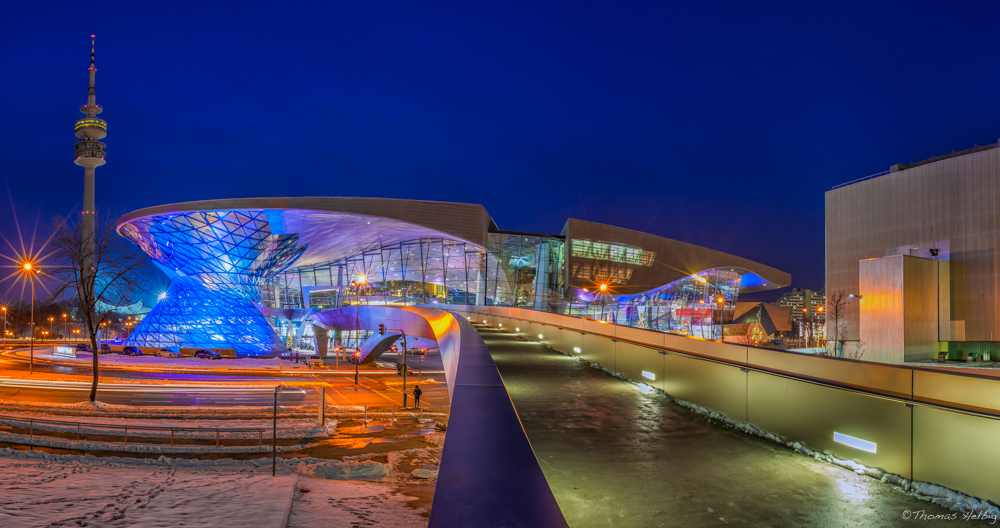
x,y
89,155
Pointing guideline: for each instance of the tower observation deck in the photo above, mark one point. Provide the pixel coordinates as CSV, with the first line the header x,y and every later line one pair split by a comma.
x,y
89,155
90,130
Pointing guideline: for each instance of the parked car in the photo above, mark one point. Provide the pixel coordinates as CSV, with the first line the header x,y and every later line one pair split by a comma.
x,y
314,361
82,347
168,353
417,351
207,354
104,348
131,351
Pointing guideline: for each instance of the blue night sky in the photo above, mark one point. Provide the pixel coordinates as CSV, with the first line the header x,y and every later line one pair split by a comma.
x,y
720,124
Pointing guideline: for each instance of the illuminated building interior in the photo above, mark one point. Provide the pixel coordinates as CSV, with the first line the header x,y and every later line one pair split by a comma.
x,y
237,265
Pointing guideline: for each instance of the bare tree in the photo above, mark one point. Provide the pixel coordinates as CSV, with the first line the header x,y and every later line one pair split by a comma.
x,y
739,333
858,351
836,316
101,277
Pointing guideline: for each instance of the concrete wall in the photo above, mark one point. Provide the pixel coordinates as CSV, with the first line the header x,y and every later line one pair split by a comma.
x,y
952,200
947,418
899,308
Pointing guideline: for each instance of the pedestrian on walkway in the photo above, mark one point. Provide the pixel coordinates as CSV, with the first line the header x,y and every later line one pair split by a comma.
x,y
416,395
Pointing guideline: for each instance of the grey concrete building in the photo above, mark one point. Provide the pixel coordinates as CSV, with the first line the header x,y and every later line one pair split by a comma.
x,y
918,247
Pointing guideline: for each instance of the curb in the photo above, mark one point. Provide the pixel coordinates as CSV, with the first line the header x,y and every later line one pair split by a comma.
x,y
291,500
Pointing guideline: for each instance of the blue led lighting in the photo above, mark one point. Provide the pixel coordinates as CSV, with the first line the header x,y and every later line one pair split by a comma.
x,y
854,442
216,261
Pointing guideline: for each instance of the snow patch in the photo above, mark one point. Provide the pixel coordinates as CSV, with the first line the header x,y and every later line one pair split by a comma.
x,y
349,470
940,495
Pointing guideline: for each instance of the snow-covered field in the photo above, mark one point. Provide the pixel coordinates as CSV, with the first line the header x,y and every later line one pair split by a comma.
x,y
39,489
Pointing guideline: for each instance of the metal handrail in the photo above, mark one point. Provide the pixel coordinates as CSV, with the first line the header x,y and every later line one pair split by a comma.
x,y
954,407
134,427
869,177
217,430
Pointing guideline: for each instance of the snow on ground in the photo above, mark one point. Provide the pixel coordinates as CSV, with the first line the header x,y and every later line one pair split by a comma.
x,y
114,426
348,504
132,447
58,493
39,489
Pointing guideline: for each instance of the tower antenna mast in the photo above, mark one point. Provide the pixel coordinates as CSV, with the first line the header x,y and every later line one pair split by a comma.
x,y
89,155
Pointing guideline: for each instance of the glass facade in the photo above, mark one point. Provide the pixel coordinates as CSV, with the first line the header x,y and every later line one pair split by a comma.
x,y
697,305
227,266
516,270
216,262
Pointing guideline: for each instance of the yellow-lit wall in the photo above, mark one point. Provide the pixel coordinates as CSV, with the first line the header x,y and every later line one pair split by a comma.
x,y
800,397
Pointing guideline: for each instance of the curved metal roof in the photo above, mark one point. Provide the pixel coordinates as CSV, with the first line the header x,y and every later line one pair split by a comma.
x,y
335,227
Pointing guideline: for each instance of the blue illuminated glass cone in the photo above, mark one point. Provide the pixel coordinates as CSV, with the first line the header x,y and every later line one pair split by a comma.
x,y
216,261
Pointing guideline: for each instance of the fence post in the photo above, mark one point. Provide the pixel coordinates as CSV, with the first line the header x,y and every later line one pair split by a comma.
x,y
322,406
260,438
171,437
77,432
31,428
126,435
216,438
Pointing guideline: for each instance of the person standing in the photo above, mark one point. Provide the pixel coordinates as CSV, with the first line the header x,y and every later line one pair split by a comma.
x,y
416,395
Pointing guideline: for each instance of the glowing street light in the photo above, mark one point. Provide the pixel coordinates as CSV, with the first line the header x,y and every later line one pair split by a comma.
x,y
29,273
362,279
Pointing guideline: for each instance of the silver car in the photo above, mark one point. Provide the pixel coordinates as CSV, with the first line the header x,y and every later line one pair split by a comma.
x,y
168,353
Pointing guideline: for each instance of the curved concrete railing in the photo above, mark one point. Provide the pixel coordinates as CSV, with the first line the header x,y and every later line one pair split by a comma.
x,y
924,424
489,475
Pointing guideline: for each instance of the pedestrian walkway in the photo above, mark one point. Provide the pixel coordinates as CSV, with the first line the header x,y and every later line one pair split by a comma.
x,y
616,455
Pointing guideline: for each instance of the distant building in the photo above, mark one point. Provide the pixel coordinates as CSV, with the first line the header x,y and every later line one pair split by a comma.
x,y
800,299
775,318
917,249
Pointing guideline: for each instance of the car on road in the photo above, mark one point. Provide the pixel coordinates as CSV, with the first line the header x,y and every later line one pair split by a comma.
x,y
417,351
131,351
82,347
104,349
207,354
168,353
314,361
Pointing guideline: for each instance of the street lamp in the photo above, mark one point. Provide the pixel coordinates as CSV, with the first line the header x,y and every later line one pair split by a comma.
x,y
274,430
4,309
65,328
30,272
362,280
604,288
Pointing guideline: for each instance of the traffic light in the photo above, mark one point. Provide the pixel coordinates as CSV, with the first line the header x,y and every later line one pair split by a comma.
x,y
357,356
400,368
381,329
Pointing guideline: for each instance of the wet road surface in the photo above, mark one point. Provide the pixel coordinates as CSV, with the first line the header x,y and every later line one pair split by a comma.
x,y
618,457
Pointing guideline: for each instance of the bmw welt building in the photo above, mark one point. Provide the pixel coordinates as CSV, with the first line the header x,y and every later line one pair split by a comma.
x,y
247,274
